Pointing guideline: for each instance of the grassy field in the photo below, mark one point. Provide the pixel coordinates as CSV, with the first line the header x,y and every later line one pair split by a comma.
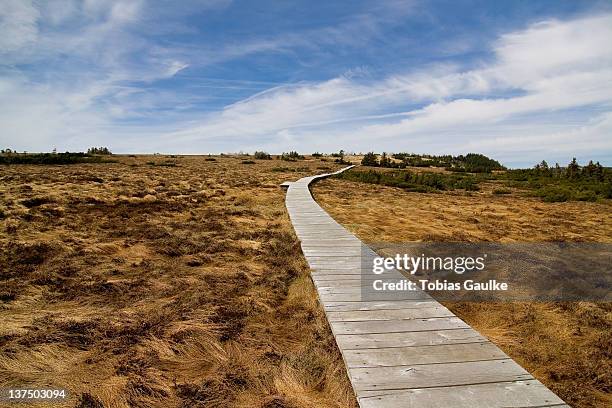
x,y
567,346
162,281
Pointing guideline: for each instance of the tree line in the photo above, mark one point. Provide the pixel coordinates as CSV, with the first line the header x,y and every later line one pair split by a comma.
x,y
572,171
471,162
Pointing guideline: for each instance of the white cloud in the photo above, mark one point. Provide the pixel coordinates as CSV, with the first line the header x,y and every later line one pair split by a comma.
x,y
18,24
175,67
552,48
551,81
546,70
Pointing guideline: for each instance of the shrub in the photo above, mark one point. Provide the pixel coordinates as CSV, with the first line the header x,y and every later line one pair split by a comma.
x,y
471,162
49,158
554,194
558,184
291,156
410,181
262,156
587,195
99,150
369,159
35,201
501,191
162,164
340,157
467,184
317,154
248,162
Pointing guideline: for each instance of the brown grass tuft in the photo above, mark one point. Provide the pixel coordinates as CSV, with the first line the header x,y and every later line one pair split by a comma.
x,y
161,286
567,346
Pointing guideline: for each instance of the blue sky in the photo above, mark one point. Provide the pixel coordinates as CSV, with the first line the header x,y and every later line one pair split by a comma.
x,y
518,80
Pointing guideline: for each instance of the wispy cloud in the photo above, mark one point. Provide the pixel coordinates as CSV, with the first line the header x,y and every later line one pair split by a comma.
x,y
75,73
542,72
18,25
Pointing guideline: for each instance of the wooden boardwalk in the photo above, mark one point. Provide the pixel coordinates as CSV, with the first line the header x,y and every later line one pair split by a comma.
x,y
408,352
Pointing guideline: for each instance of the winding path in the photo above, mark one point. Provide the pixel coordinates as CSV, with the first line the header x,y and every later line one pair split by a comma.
x,y
408,352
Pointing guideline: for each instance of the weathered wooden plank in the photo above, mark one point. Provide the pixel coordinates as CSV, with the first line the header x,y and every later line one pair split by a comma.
x,y
357,297
348,249
437,375
395,314
453,353
360,280
354,258
329,269
354,284
333,242
408,339
365,290
378,305
335,278
516,394
398,326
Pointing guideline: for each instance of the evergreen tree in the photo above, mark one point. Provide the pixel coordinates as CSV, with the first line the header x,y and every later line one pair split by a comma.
x,y
589,170
599,172
558,171
369,159
385,161
573,169
98,150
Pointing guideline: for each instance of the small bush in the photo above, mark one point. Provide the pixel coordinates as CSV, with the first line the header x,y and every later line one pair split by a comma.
x,y
587,195
49,158
558,184
501,191
99,150
162,164
369,159
291,156
554,194
410,181
262,156
35,201
248,162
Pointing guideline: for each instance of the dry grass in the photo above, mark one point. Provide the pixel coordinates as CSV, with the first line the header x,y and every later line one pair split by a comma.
x,y
567,346
162,281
